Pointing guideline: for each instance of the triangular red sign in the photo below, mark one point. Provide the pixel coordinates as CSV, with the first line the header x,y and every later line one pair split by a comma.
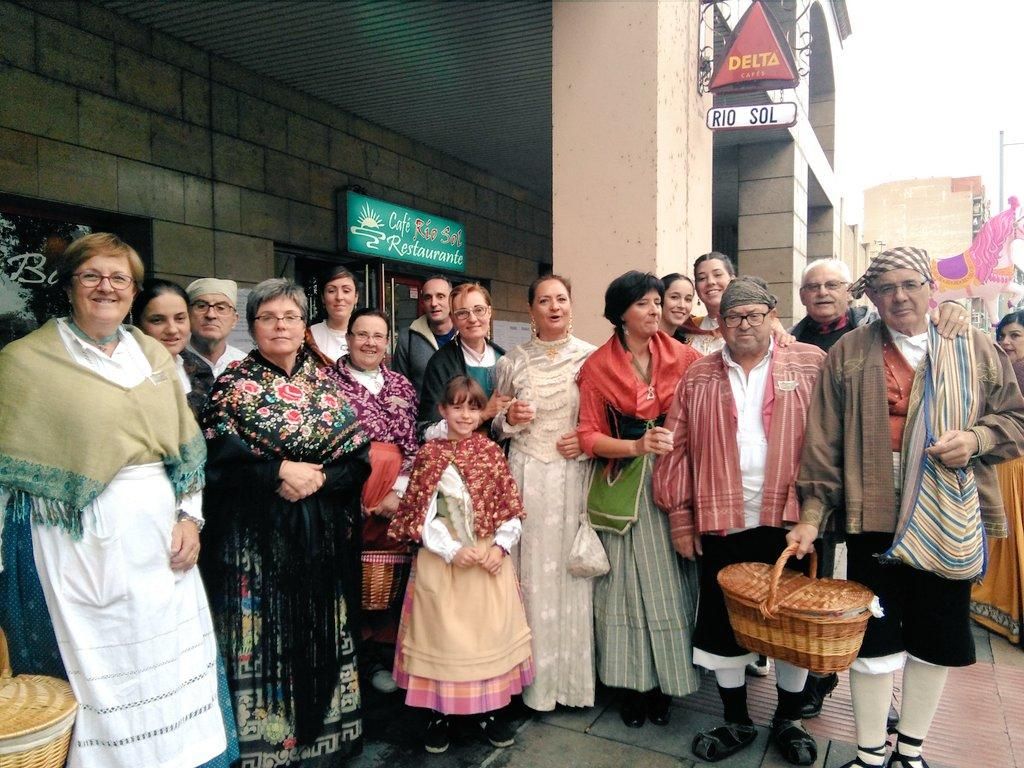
x,y
757,56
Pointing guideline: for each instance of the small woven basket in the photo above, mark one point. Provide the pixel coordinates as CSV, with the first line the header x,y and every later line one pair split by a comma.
x,y
38,714
817,624
384,575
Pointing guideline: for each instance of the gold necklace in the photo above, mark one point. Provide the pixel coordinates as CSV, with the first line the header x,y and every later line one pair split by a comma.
x,y
645,375
551,348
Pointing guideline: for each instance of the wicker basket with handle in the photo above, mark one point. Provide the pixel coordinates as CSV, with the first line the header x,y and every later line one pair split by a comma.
x,y
36,718
817,624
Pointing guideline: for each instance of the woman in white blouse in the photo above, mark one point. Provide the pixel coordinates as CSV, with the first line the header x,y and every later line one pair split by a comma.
x,y
340,295
547,462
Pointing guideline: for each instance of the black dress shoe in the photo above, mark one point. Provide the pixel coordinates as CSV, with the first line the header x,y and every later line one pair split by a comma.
x,y
658,706
633,709
815,691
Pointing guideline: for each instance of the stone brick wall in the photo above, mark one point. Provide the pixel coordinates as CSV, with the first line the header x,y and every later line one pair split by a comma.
x,y
101,112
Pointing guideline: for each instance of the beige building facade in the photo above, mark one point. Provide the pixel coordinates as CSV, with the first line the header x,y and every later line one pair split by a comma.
x,y
776,200
213,168
940,214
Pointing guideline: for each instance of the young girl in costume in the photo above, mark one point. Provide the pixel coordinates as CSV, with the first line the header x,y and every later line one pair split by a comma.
x,y
463,643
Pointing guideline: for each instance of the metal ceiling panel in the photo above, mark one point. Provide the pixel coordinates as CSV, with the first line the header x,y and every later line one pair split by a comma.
x,y
471,79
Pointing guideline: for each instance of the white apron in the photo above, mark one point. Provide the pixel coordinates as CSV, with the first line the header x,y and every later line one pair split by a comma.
x,y
136,637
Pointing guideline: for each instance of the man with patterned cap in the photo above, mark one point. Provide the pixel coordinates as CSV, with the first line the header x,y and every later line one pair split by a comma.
x,y
213,316
904,430
728,486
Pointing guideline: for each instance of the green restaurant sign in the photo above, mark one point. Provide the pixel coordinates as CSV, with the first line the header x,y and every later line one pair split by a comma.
x,y
377,228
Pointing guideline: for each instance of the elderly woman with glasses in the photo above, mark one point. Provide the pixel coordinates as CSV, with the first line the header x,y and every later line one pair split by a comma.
x,y
384,402
101,472
287,462
470,353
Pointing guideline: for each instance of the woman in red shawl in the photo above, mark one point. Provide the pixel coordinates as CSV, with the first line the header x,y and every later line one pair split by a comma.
x,y
644,608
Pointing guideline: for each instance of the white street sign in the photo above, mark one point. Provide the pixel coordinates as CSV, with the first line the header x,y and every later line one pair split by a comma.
x,y
781,115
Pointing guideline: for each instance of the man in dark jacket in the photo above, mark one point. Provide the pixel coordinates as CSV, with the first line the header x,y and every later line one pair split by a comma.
x,y
428,332
825,294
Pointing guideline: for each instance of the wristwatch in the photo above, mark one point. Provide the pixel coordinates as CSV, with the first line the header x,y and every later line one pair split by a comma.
x,y
197,522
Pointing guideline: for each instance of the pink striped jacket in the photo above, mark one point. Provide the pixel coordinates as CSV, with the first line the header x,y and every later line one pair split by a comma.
x,y
701,474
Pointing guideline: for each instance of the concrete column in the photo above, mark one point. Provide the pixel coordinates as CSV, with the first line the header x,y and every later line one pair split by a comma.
x,y
822,234
773,219
631,156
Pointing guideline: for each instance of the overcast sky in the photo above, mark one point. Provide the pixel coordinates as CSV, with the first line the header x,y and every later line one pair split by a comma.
x,y
928,87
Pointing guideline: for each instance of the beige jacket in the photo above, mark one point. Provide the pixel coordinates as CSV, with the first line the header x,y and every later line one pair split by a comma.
x,y
846,464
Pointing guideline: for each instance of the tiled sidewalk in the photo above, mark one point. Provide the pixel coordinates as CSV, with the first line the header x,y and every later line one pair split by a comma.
x,y
980,724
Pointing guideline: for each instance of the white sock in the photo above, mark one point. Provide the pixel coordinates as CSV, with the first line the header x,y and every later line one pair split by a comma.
x,y
922,689
871,696
731,677
790,677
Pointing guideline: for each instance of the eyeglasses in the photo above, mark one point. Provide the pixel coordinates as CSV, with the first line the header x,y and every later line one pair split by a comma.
x,y
275,319
479,311
830,285
220,308
118,281
910,287
753,319
363,336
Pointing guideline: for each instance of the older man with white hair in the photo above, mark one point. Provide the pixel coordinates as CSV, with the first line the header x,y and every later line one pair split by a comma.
x,y
903,433
825,294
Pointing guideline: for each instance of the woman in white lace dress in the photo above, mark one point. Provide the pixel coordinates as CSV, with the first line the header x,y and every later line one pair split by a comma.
x,y
552,474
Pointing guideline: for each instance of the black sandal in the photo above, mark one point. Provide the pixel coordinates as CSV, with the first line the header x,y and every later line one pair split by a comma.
x,y
794,742
858,763
719,743
897,760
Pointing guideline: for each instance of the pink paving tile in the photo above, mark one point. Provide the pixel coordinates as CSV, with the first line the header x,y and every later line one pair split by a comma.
x,y
1010,688
977,722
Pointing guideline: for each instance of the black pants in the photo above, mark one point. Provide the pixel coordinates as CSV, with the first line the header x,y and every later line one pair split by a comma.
x,y
926,615
713,632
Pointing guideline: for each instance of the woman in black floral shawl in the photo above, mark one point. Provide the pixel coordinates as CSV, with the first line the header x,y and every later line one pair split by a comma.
x,y
287,461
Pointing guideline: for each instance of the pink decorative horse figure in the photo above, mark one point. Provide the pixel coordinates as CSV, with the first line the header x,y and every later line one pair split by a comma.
x,y
985,270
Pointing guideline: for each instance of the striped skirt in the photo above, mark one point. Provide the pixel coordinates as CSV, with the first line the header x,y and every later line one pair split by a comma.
x,y
645,608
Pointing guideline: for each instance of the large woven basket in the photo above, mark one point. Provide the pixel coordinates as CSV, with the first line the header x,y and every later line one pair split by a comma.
x,y
817,624
384,577
36,717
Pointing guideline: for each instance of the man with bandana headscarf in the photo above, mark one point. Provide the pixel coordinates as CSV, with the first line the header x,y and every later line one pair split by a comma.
x,y
728,486
862,450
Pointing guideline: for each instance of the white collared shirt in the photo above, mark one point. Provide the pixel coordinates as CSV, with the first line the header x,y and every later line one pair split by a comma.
x,y
371,380
230,355
913,348
748,394
475,360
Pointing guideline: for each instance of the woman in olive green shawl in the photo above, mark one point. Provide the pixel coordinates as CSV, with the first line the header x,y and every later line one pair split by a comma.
x,y
101,468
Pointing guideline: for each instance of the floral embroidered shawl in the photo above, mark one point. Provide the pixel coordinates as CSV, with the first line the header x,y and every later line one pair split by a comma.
x,y
301,417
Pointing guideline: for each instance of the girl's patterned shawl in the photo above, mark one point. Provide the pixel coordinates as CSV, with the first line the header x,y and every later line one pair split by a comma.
x,y
387,417
482,466
301,417
65,432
